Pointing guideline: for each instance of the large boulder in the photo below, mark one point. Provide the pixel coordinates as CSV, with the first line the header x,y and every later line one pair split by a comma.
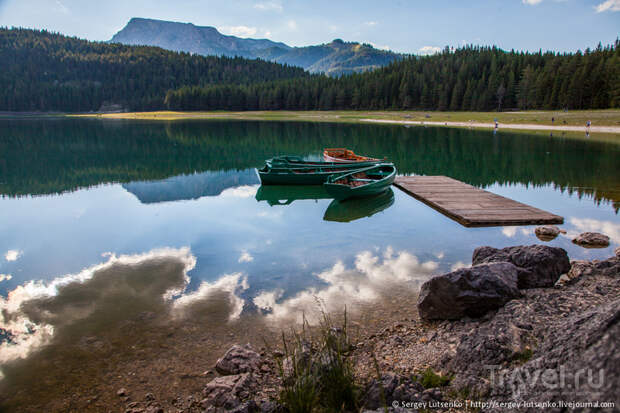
x,y
540,266
592,240
238,359
468,292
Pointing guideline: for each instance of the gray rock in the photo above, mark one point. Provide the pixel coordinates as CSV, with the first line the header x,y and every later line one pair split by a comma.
x,y
468,292
609,267
121,392
228,392
584,349
617,252
391,388
238,359
592,240
539,266
547,232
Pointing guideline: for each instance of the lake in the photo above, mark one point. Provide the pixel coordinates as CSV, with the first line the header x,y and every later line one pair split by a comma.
x,y
134,253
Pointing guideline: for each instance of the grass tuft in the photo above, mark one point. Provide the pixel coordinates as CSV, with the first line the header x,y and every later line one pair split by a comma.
x,y
429,379
315,370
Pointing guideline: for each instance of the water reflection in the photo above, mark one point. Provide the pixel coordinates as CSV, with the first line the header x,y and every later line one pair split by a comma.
x,y
93,300
82,153
154,285
194,186
287,194
372,276
353,209
609,228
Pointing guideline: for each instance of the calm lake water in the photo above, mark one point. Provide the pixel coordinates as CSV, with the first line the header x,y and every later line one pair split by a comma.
x,y
117,235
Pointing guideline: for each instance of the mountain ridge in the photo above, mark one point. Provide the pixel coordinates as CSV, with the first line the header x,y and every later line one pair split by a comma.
x,y
335,58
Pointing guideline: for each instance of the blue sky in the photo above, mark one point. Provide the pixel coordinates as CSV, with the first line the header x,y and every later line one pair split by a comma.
x,y
414,26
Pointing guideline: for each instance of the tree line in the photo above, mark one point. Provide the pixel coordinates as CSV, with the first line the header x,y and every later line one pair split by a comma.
x,y
469,78
43,71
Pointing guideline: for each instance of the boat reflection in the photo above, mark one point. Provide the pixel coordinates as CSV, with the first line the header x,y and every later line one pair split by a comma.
x,y
353,209
286,194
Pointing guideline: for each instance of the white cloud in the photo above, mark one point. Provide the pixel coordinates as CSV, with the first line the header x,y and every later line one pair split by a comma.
x,y
241,31
428,50
246,257
531,2
269,5
29,333
609,5
458,265
266,300
371,278
292,25
509,231
244,191
371,23
12,255
5,277
209,295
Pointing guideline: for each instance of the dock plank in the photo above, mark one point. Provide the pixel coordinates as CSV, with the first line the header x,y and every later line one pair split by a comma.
x,y
471,206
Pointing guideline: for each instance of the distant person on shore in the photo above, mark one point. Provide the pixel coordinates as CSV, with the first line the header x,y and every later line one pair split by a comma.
x,y
588,123
552,120
495,120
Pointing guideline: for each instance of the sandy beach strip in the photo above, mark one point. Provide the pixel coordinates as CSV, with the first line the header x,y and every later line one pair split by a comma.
x,y
522,126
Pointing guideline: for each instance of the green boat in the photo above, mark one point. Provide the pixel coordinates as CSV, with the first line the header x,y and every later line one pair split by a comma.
x,y
351,209
297,162
307,175
362,182
286,194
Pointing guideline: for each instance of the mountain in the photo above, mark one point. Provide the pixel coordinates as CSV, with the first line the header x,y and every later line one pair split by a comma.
x,y
333,58
193,186
185,37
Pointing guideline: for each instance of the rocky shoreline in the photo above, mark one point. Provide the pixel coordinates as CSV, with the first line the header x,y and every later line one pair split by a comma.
x,y
522,325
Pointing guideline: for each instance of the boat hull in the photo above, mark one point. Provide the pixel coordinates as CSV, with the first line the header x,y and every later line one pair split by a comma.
x,y
345,155
341,191
287,177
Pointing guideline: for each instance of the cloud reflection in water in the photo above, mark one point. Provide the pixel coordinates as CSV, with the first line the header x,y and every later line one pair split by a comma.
x,y
371,278
93,300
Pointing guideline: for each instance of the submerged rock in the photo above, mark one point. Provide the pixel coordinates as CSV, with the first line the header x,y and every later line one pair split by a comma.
x,y
592,240
238,359
228,392
539,266
468,291
547,232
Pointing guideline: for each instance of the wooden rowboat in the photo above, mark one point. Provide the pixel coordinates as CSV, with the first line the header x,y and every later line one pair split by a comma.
x,y
362,182
344,155
304,175
297,162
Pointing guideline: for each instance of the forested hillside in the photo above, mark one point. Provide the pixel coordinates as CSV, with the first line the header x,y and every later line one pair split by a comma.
x,y
43,71
470,78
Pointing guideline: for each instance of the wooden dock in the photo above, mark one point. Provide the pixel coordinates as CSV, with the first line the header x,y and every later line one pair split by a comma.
x,y
470,206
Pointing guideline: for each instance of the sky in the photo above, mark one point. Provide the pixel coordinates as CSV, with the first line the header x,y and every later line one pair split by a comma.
x,y
410,26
